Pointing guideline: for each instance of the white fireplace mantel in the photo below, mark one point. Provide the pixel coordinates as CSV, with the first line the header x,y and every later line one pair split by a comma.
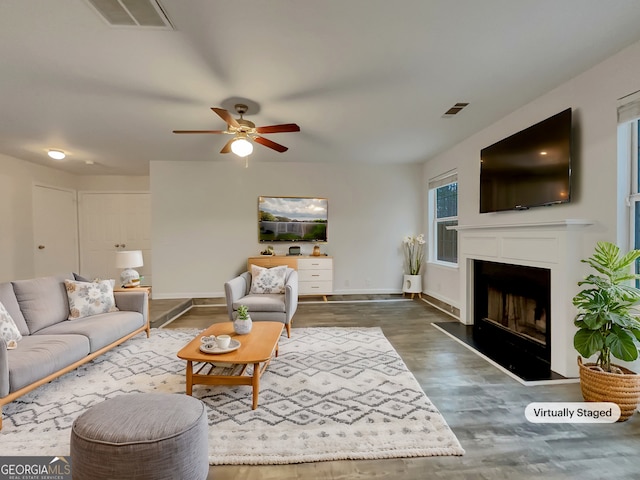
x,y
554,245
559,223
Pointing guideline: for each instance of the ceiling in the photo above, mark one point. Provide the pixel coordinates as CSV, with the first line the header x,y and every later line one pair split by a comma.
x,y
368,81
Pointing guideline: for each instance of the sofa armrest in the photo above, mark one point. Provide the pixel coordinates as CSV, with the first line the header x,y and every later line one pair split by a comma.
x,y
4,370
134,301
235,289
291,294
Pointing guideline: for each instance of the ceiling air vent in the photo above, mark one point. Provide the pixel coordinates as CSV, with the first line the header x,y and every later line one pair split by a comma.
x,y
454,110
132,13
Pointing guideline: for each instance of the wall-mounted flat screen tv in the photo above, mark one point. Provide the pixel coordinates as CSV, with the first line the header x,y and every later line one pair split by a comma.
x,y
292,219
530,168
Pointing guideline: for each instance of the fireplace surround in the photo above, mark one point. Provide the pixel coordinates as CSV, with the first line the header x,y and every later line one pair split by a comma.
x,y
555,246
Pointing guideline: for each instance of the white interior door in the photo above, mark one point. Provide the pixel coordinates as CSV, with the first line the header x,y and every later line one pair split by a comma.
x,y
111,222
55,230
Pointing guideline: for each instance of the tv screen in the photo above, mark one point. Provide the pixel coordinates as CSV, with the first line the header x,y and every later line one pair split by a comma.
x,y
292,219
530,168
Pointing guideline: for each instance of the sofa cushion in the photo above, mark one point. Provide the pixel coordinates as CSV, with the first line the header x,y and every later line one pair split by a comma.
x,y
10,302
8,330
43,301
267,280
89,298
101,330
261,303
40,355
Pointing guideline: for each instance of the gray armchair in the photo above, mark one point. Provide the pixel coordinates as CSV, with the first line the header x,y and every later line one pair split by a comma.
x,y
266,307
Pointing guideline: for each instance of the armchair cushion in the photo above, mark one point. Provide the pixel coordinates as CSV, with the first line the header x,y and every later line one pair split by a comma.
x,y
261,302
268,280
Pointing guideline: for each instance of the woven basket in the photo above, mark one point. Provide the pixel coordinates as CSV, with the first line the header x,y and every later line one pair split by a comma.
x,y
622,389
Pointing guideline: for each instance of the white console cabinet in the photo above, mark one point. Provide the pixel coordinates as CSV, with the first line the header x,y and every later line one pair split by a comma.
x,y
315,274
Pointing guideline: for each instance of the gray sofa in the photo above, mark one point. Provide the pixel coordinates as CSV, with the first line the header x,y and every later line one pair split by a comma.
x,y
266,307
51,344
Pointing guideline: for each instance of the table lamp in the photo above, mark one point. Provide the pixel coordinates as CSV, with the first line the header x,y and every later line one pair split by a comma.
x,y
129,259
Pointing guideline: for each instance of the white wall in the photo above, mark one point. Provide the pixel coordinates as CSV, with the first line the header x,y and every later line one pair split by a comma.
x,y
205,214
593,97
17,178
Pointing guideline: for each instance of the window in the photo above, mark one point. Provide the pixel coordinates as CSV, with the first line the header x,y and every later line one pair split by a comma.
x,y
629,168
443,197
634,197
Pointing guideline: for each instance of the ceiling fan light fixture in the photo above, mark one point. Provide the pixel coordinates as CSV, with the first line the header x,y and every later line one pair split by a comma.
x,y
242,147
56,154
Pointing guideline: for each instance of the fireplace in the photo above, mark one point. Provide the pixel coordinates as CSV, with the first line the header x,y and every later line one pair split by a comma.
x,y
512,315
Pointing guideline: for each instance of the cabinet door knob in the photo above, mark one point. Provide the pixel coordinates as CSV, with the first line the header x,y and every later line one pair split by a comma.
x,y
40,247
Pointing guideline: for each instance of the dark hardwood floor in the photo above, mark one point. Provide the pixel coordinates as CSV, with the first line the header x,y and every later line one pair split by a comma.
x,y
483,406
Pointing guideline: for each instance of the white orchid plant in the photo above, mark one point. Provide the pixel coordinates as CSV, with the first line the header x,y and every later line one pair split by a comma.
x,y
413,247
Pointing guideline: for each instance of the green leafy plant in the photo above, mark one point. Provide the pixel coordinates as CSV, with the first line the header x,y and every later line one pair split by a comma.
x,y
243,312
607,322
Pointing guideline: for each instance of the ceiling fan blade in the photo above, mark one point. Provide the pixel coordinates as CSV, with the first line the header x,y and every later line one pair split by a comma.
x,y
199,131
287,127
227,146
226,116
268,143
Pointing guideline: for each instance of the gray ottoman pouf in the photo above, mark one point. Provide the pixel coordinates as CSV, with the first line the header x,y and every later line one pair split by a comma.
x,y
141,436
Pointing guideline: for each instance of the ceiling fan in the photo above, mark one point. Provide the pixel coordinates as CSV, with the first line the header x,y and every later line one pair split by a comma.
x,y
243,130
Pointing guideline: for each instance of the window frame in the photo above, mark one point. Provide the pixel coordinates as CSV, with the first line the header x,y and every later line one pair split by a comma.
x,y
448,178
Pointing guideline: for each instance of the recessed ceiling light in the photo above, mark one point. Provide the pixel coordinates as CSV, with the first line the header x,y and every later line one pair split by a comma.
x,y
56,154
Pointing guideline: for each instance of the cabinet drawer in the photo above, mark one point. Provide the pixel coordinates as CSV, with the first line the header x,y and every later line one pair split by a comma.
x,y
315,275
315,263
317,288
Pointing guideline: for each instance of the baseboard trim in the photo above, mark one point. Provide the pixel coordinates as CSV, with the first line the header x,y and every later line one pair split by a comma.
x,y
442,306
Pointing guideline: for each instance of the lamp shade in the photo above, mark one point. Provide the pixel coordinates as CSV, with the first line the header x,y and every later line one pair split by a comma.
x,y
129,259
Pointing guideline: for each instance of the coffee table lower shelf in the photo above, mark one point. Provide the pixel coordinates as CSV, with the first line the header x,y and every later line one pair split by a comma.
x,y
211,374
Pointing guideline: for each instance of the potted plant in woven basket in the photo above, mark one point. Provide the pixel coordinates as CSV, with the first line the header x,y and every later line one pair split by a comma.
x,y
608,327
242,324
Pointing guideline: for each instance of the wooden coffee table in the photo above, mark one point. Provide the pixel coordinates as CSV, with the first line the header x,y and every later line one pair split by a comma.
x,y
256,348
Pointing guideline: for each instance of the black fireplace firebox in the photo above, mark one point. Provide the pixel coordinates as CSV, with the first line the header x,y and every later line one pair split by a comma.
x,y
512,316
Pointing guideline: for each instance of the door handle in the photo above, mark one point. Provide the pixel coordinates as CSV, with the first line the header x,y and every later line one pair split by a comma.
x,y
40,247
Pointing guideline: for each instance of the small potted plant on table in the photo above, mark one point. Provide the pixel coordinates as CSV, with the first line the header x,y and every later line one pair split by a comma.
x,y
608,326
242,324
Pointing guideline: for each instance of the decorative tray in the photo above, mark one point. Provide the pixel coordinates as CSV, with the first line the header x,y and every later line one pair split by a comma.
x,y
214,349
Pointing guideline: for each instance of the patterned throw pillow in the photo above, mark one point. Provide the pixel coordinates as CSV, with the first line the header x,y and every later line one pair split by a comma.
x,y
267,280
8,328
90,298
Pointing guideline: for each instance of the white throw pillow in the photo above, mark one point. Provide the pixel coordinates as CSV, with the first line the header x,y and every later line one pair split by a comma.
x,y
90,298
8,328
267,280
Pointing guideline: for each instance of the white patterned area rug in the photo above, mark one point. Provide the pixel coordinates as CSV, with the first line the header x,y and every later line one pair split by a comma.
x,y
331,394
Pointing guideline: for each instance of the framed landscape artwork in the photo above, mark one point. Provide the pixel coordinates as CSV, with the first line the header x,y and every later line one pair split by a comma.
x,y
292,219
